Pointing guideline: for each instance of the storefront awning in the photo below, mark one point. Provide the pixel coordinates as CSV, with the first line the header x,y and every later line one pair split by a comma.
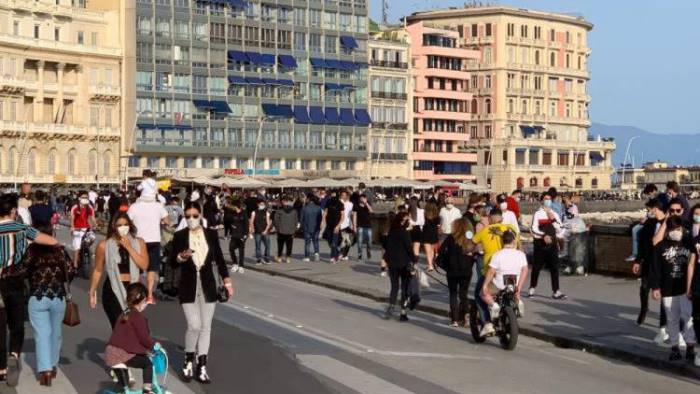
x,y
285,111
203,104
255,57
270,109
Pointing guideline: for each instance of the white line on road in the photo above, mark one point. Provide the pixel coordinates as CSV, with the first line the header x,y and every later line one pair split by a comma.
x,y
349,376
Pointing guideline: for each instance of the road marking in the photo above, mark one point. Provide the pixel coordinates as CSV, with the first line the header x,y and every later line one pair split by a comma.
x,y
28,383
349,376
340,342
572,359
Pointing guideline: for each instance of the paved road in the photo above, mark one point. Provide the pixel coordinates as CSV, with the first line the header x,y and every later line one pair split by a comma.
x,y
280,335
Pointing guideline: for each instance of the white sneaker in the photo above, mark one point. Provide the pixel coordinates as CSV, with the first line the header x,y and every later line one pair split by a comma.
x,y
521,308
567,271
383,274
235,268
580,271
631,258
241,270
306,259
317,257
697,359
494,310
662,337
681,342
531,292
488,330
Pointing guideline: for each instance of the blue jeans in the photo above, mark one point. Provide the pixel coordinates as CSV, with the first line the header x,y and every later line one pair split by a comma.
x,y
364,236
260,240
483,308
309,240
46,316
334,245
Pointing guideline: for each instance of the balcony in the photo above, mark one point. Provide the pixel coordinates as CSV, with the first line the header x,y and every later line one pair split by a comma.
x,y
388,64
442,136
389,95
389,156
389,126
477,40
445,156
12,85
8,127
57,46
105,93
429,175
444,94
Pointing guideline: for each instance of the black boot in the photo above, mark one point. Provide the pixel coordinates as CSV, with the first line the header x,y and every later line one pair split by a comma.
x,y
201,374
188,368
389,312
122,375
642,316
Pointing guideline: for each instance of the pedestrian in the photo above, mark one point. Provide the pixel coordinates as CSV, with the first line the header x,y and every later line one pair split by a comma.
x,y
400,260
669,281
82,218
49,270
286,223
259,228
362,222
333,216
25,199
458,251
40,211
509,216
448,214
347,227
14,240
674,192
148,215
131,341
227,216
430,233
545,226
417,220
513,202
121,255
197,250
238,232
311,217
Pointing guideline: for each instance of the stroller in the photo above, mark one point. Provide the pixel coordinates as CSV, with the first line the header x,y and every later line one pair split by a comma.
x,y
159,359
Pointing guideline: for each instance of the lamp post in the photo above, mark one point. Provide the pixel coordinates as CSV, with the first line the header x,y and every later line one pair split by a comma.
x,y
625,159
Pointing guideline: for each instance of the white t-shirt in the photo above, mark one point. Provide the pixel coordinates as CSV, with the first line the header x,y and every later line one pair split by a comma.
x,y
447,216
420,218
507,261
147,216
348,215
92,196
509,218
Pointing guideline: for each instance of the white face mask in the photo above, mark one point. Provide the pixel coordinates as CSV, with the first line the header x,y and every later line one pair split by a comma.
x,y
123,230
503,206
675,235
84,201
193,223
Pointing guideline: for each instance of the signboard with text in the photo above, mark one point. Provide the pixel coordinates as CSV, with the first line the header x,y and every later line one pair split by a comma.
x,y
240,171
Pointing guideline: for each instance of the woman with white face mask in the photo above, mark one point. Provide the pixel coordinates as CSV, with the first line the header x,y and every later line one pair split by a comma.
x,y
198,253
121,256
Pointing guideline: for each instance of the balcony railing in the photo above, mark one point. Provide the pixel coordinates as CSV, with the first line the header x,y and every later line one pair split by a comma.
x,y
390,126
389,156
388,64
389,95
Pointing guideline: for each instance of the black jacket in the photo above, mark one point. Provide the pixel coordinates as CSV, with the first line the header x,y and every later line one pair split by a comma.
x,y
188,284
399,254
645,254
459,265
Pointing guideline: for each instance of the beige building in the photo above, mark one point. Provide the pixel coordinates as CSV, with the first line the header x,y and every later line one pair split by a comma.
x,y
659,173
60,95
390,96
530,124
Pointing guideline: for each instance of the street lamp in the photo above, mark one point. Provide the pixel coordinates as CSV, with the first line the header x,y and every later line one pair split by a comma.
x,y
625,159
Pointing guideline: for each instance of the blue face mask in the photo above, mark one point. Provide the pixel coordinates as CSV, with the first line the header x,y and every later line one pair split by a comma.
x,y
696,219
548,203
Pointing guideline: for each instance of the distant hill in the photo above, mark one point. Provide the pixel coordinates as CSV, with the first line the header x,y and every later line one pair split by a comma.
x,y
676,149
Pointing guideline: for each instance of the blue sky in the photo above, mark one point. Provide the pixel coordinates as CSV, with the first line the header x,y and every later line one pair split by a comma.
x,y
645,61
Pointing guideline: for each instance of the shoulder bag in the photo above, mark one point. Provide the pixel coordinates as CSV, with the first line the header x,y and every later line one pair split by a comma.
x,y
221,291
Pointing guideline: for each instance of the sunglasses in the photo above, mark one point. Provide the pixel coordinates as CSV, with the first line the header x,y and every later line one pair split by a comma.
x,y
191,216
675,210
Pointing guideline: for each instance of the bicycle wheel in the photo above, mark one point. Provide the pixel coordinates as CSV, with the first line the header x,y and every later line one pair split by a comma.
x,y
509,327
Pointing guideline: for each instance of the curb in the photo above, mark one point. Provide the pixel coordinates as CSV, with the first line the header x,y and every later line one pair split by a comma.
x,y
636,359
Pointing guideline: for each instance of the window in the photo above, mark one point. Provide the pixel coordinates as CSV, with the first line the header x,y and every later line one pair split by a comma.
x,y
488,30
36,31
552,108
538,32
538,82
70,162
510,28
15,28
523,31
552,59
51,165
300,17
93,39
315,18
81,38
537,57
487,105
314,42
523,107
331,44
57,34
300,41
568,60
487,55
552,35
94,116
330,20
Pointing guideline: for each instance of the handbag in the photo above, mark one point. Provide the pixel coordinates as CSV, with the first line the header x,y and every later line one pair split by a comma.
x,y
72,316
221,291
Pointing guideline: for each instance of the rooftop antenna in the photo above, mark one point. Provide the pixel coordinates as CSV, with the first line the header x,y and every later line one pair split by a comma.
x,y
385,12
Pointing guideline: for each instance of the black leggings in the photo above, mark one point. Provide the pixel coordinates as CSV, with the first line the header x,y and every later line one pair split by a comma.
x,y
237,244
14,295
110,303
141,362
397,275
459,289
644,290
286,241
545,256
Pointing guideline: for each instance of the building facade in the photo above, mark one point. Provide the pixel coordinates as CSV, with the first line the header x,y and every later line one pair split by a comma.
x,y
530,105
390,95
60,94
658,173
440,103
275,87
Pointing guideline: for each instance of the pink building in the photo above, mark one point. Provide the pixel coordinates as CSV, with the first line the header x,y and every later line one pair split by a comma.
x,y
440,104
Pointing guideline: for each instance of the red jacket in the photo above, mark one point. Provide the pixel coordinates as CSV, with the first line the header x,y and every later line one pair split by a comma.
x,y
513,206
132,335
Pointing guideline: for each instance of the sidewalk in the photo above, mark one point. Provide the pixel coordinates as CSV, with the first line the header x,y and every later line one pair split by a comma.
x,y
599,315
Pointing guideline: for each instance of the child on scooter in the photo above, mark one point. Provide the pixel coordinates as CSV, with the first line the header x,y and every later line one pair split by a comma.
x,y
131,340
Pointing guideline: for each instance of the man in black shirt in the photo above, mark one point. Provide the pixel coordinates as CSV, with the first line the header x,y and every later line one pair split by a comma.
x,y
645,256
361,220
40,210
332,216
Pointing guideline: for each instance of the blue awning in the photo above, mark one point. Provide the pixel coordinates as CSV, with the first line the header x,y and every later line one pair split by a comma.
x,y
183,127
316,115
287,61
254,57
202,104
254,81
237,56
346,117
333,86
165,126
596,156
236,3
285,111
234,79
270,81
146,126
268,59
361,65
330,63
220,107
362,117
343,86
348,42
332,115
301,115
316,62
270,109
527,130
286,82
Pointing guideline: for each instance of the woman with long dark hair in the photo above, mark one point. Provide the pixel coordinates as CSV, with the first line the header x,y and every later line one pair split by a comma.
x,y
121,255
400,260
458,251
416,220
430,236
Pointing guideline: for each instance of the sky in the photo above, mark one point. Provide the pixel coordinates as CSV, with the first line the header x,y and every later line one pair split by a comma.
x,y
645,59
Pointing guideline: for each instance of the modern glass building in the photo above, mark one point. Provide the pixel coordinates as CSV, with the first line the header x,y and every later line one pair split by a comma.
x,y
216,78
